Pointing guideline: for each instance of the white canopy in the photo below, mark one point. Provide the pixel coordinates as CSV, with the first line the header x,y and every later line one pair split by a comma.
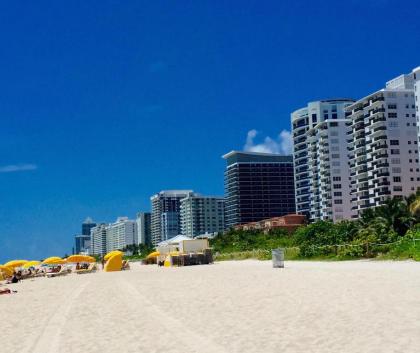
x,y
174,240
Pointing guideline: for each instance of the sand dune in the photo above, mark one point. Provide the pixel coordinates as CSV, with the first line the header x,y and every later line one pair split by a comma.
x,y
359,306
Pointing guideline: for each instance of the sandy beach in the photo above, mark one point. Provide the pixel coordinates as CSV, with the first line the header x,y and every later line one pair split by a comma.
x,y
246,306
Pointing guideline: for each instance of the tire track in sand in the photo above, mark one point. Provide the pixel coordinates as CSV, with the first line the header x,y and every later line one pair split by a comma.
x,y
49,339
195,341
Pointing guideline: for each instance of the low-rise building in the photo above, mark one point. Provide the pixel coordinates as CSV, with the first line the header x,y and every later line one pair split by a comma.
x,y
289,222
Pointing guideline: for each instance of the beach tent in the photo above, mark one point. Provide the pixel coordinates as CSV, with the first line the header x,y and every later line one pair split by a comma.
x,y
54,260
112,253
80,258
15,263
31,264
6,271
114,263
153,254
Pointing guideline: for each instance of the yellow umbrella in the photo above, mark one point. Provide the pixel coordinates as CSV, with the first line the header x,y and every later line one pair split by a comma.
x,y
54,260
6,270
80,258
15,263
112,253
153,254
32,264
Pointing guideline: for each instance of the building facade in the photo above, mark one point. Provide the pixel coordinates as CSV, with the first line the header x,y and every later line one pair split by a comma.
x,y
257,186
289,223
383,145
82,244
416,84
144,231
321,160
202,214
98,239
87,225
121,233
165,217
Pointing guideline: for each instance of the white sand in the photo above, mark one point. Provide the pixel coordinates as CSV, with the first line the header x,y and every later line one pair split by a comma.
x,y
246,306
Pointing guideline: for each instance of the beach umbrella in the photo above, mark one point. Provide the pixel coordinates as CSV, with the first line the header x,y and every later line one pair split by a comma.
x,y
15,263
54,260
112,253
153,254
7,271
31,264
80,258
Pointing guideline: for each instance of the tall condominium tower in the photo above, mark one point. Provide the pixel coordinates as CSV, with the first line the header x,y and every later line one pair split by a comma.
x,y
144,228
321,161
87,225
166,219
202,214
257,186
383,145
98,240
416,78
121,233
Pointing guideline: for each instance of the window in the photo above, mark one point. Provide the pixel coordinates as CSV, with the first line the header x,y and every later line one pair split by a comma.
x,y
338,193
392,115
314,118
392,106
334,115
337,178
335,155
396,170
395,151
394,142
397,188
397,179
395,161
338,202
393,124
337,186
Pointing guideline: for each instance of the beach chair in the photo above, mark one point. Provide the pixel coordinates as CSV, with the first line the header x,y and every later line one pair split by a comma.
x,y
92,268
125,265
64,271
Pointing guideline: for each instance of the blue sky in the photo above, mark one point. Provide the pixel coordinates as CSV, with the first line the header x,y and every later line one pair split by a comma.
x,y
103,103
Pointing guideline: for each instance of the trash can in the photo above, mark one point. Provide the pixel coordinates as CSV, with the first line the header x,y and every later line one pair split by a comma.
x,y
278,258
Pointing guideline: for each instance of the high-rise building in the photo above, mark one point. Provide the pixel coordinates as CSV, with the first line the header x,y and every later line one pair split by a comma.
x,y
121,233
257,186
416,78
165,218
83,240
87,225
144,228
321,160
383,144
202,214
82,244
98,239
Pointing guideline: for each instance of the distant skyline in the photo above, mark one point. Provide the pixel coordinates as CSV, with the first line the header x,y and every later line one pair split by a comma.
x,y
103,104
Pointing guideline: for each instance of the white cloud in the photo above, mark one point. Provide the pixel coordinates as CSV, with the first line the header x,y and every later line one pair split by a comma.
x,y
283,144
17,168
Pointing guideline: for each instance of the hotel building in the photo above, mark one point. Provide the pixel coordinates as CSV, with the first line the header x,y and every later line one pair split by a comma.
x,y
166,218
383,145
416,78
144,230
98,239
321,160
121,233
202,214
257,186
